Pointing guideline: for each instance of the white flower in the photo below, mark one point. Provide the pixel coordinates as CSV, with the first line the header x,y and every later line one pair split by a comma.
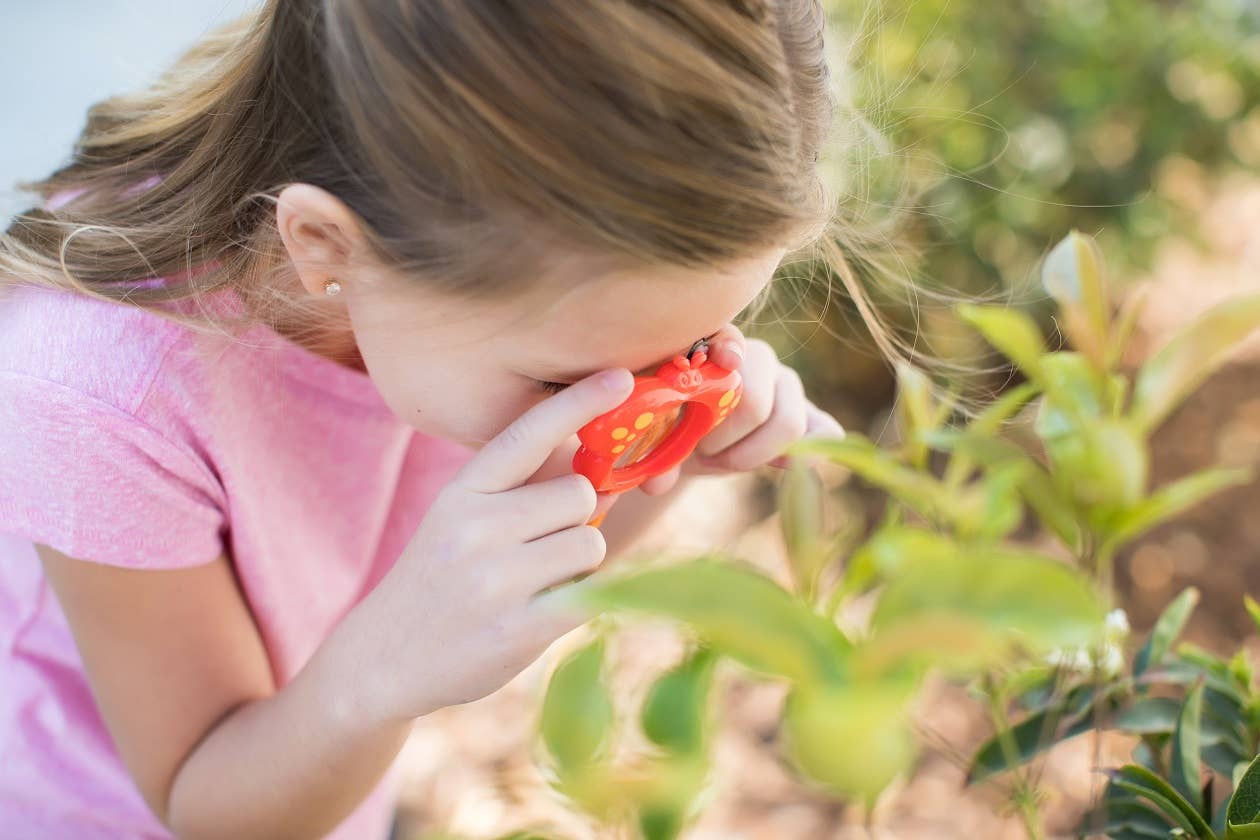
x,y
1116,623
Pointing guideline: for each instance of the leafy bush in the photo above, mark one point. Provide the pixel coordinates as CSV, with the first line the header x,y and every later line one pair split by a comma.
x,y
1040,114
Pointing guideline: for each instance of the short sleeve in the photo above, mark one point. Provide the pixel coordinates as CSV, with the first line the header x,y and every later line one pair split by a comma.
x,y
95,483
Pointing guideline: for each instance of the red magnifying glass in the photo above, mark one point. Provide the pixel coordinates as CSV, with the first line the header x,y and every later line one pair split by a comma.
x,y
658,425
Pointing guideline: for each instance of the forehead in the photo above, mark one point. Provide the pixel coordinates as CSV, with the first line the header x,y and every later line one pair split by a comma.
x,y
636,317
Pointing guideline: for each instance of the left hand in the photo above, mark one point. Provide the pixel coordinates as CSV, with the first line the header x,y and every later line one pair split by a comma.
x,y
772,414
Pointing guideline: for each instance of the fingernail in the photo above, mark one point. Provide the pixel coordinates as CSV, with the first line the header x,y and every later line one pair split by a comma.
x,y
736,349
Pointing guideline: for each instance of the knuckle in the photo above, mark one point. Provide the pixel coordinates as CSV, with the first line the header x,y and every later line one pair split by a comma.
x,y
594,546
760,406
798,426
517,434
760,347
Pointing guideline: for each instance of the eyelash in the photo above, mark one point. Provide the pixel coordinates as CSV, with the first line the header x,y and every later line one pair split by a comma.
x,y
552,387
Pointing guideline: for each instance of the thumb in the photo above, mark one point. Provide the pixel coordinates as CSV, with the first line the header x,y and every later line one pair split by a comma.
x,y
663,483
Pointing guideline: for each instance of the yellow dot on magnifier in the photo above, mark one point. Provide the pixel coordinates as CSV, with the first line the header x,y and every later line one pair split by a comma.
x,y
726,398
641,422
737,399
620,432
618,448
632,437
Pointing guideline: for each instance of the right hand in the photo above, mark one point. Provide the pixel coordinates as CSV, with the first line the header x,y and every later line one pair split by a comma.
x,y
459,614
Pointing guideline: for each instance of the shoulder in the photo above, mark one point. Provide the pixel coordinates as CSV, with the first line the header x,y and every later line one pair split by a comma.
x,y
107,351
82,468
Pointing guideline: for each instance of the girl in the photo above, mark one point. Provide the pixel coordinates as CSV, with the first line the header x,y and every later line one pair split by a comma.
x,y
278,464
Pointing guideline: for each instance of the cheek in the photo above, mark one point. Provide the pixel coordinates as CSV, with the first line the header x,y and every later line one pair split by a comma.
x,y
457,408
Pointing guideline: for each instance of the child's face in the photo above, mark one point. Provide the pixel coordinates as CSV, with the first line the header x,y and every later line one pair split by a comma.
x,y
464,371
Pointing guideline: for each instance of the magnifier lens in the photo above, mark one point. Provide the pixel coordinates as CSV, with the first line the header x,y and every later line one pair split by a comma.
x,y
657,431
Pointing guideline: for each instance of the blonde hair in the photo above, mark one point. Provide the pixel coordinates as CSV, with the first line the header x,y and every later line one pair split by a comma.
x,y
464,134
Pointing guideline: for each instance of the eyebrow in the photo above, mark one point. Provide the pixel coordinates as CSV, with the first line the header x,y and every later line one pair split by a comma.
x,y
577,376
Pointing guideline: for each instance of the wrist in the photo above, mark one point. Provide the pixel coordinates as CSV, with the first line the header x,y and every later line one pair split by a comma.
x,y
352,688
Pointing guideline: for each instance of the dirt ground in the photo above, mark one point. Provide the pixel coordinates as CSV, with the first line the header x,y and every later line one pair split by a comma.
x,y
468,770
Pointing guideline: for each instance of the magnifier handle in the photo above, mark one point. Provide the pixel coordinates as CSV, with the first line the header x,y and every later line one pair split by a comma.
x,y
600,518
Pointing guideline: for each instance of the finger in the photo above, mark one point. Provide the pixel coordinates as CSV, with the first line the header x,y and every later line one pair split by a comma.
x,y
561,558
555,612
787,423
558,463
516,453
761,367
535,510
821,425
728,347
663,483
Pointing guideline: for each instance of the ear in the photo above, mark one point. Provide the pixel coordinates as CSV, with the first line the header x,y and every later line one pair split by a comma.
x,y
320,233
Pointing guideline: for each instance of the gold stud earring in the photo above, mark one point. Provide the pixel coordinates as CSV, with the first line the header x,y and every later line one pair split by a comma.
x,y
332,287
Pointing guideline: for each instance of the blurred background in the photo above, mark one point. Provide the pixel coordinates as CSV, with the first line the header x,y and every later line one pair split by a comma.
x,y
57,57
1001,126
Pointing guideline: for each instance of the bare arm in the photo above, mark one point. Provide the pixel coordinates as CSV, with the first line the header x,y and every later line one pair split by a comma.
x,y
184,686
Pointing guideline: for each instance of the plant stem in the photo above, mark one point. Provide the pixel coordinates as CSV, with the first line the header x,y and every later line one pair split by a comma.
x,y
1024,795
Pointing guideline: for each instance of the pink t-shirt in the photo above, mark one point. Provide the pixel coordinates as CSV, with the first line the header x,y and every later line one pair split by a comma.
x,y
130,440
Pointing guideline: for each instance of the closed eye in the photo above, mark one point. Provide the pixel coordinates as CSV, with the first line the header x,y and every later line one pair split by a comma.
x,y
552,387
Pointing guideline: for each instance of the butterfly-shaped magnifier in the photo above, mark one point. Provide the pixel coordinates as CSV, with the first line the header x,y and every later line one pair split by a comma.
x,y
658,425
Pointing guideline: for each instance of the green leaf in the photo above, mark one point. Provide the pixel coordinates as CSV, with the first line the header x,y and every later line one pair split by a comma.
x,y
1147,715
1242,832
1103,466
1185,750
1190,357
985,425
1036,485
1075,395
883,554
852,739
662,791
674,713
660,823
918,489
1173,499
1222,757
1144,783
1167,628
577,711
1122,332
1010,331
915,412
1253,609
999,508
801,517
1072,273
1036,733
990,419
1016,596
737,610
1244,805
1120,814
